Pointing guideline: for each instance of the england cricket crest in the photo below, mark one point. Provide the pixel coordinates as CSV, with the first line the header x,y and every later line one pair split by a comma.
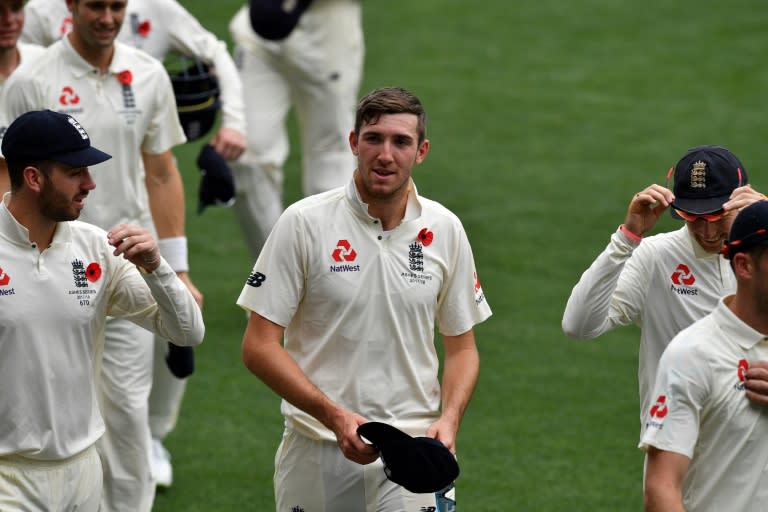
x,y
416,257
699,175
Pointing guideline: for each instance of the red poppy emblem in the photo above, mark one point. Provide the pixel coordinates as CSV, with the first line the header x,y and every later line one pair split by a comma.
x,y
144,28
425,237
125,77
93,272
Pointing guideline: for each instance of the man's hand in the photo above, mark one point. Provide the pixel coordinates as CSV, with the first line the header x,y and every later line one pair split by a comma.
x,y
136,245
444,430
741,197
229,143
344,424
196,294
756,382
646,207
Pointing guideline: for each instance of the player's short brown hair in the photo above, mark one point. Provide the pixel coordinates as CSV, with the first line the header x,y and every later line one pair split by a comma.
x,y
390,100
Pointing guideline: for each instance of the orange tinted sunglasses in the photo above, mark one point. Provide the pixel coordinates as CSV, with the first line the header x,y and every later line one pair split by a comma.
x,y
709,217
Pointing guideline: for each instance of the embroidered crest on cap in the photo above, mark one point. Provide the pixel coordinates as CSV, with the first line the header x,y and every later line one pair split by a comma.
x,y
79,128
699,175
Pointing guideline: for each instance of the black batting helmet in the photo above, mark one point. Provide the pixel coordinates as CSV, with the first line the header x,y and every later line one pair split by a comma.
x,y
197,96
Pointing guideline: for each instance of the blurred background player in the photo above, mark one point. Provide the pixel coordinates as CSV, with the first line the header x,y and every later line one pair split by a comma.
x,y
309,59
125,98
162,27
12,51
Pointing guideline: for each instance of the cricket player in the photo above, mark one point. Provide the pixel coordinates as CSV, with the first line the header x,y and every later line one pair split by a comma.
x,y
664,282
315,69
161,27
13,52
124,98
704,438
59,280
355,280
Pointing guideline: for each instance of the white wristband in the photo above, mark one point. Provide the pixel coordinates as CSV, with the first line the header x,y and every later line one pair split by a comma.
x,y
174,250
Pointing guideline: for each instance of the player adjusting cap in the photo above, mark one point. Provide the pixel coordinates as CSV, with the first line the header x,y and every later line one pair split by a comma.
x,y
47,135
420,464
749,229
704,179
217,185
275,19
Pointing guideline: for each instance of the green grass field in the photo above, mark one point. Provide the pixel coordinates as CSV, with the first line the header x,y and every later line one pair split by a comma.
x,y
545,118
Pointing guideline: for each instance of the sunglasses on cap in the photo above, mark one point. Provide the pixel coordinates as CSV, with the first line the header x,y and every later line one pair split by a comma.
x,y
709,217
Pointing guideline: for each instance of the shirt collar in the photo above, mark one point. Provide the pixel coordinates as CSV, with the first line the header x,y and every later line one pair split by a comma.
x,y
734,327
81,67
412,208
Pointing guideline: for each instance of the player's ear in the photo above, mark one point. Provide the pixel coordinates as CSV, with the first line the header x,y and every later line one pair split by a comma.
x,y
422,151
353,142
33,178
743,265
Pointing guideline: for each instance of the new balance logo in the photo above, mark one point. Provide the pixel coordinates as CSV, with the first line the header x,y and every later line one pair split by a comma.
x,y
256,279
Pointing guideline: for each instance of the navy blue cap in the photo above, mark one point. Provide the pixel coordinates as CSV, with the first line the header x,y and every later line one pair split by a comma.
x,y
704,179
217,185
275,19
749,229
420,464
40,135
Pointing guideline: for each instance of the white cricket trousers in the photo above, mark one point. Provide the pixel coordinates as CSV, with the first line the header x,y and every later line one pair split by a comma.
x,y
314,476
316,71
125,448
28,485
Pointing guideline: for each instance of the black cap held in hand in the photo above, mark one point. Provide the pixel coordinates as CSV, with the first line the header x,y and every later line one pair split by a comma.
x,y
275,19
217,185
420,464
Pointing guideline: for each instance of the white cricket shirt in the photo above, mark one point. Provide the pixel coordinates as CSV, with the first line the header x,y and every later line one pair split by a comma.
x,y
664,284
157,27
27,53
122,119
53,306
360,309
700,411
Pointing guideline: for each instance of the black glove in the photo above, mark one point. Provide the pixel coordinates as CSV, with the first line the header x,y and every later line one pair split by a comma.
x,y
180,360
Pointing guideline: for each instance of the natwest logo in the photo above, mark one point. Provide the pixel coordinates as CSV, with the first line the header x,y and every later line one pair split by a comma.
x,y
660,409
742,370
68,96
4,278
343,252
682,275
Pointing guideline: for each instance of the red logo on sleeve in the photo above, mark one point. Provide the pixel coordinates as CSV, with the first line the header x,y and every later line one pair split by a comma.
x,y
4,278
660,409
